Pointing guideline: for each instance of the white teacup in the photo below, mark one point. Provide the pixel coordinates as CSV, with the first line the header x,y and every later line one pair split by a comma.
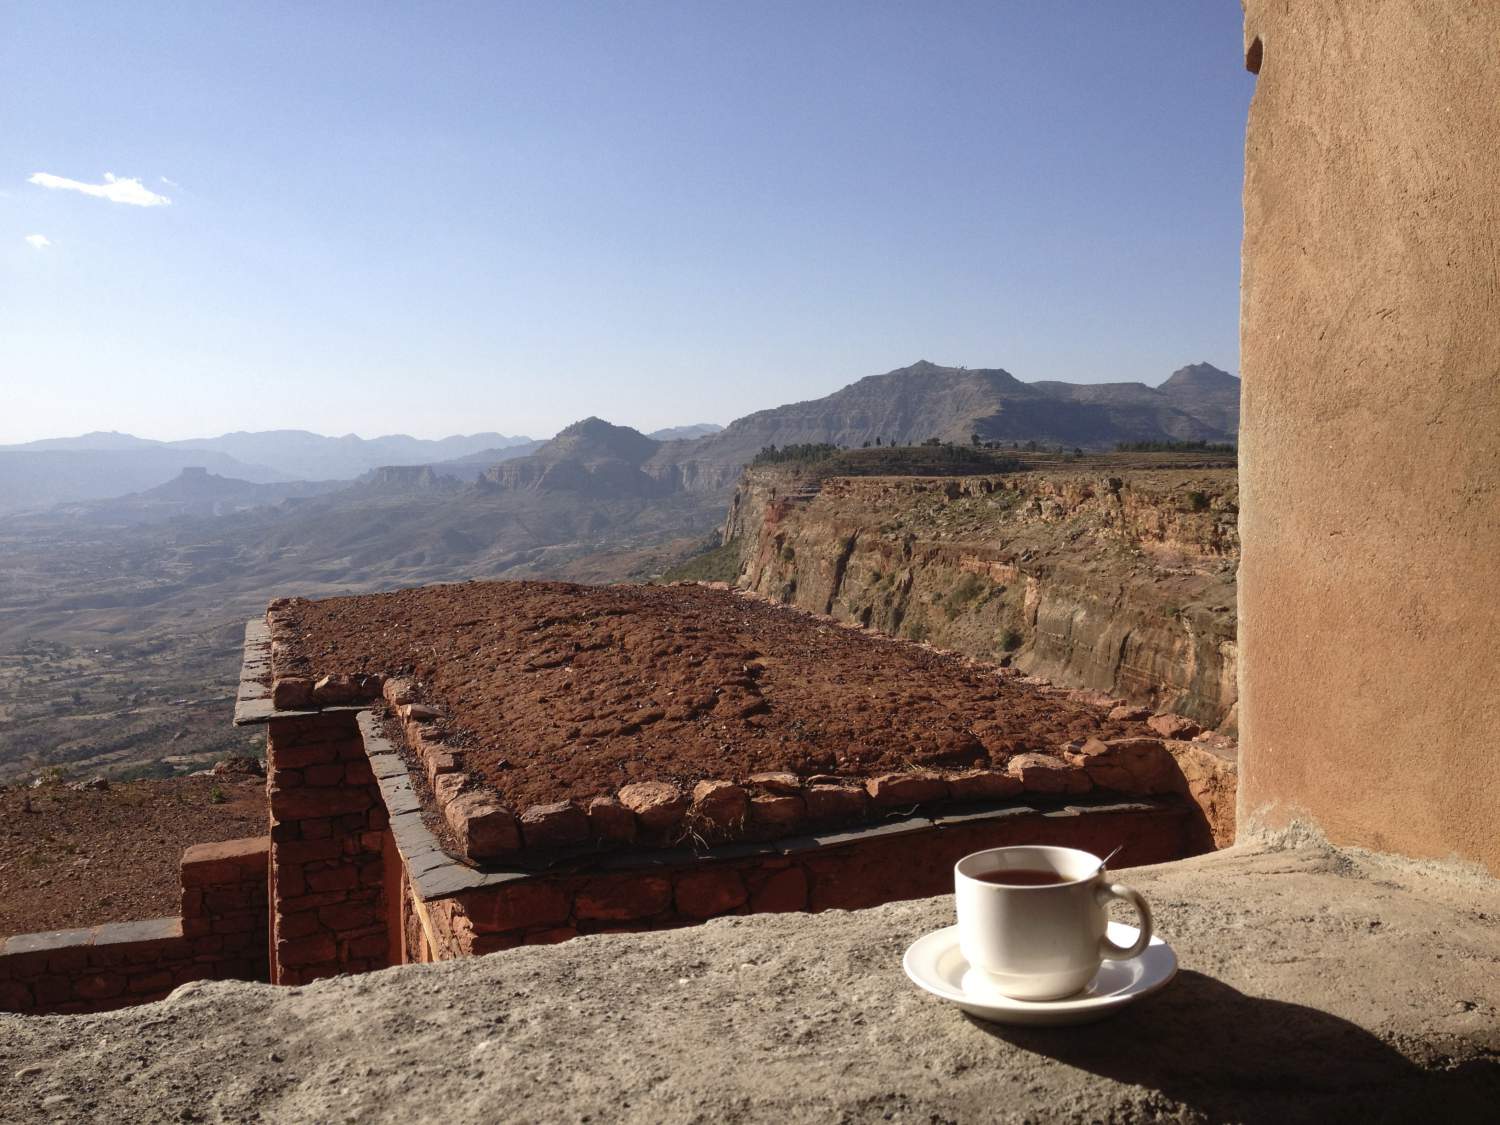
x,y
1040,942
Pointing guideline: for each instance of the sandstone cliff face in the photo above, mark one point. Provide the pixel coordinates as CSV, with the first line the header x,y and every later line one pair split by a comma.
x,y
1123,584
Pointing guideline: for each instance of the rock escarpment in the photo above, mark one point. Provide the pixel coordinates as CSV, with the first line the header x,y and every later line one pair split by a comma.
x,y
1119,583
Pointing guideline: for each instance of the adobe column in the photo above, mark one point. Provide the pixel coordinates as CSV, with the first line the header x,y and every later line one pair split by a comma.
x,y
328,911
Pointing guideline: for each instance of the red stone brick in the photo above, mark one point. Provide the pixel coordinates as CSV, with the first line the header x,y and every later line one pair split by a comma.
x,y
224,862
772,812
446,788
359,772
15,997
703,894
225,899
558,825
243,922
291,692
298,925
983,785
781,892
912,787
159,981
484,829
51,990
333,879
306,951
298,757
720,808
1044,773
783,783
493,943
514,906
99,986
289,881
374,946
306,851
317,828
352,824
345,916
336,690
611,821
623,897
324,775
659,806
299,804
834,803
312,901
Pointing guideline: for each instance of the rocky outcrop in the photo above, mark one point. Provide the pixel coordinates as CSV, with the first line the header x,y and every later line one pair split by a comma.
x,y
1122,584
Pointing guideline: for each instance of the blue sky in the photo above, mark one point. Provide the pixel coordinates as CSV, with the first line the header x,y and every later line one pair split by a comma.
x,y
445,218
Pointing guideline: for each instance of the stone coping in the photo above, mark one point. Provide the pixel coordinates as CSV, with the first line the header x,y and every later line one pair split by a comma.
x,y
436,872
253,700
109,933
1315,985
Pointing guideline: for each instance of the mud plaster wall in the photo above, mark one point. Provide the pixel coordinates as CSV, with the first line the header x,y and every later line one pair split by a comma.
x,y
1369,594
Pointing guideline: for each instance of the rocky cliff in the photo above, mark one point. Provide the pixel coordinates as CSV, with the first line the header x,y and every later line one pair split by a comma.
x,y
1119,582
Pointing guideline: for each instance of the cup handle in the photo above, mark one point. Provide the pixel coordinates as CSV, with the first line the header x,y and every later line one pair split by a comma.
x,y
1108,949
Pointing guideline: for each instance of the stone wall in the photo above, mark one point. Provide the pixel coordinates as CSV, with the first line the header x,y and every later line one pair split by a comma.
x,y
1370,439
871,866
220,936
328,827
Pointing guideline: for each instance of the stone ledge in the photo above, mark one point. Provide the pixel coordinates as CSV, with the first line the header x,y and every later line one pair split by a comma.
x,y
252,701
809,1018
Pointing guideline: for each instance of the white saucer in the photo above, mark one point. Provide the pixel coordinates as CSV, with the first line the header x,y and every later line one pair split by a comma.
x,y
936,964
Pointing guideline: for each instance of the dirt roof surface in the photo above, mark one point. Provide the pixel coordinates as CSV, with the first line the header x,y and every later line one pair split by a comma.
x,y
559,691
84,857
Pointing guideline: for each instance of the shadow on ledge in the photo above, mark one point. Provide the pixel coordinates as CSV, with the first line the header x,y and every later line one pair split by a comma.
x,y
1234,1057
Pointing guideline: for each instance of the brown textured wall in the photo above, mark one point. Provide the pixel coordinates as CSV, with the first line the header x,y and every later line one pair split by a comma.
x,y
1370,440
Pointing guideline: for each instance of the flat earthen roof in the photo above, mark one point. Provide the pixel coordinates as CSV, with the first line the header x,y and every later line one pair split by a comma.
x,y
542,694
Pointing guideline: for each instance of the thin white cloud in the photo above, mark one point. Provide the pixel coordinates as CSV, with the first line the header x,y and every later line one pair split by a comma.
x,y
169,183
114,189
38,241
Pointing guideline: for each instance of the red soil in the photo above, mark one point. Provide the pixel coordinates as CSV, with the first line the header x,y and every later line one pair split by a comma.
x,y
561,692
82,857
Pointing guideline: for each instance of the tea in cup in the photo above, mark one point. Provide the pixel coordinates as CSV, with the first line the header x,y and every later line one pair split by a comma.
x,y
1033,920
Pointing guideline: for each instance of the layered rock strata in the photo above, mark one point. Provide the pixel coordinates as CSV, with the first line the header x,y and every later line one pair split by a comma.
x,y
1122,584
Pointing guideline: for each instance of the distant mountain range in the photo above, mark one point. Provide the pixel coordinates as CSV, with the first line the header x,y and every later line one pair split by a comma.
x,y
594,458
100,465
912,404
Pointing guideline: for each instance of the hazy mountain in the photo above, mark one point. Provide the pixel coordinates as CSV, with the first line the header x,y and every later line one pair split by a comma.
x,y
471,466
912,404
1208,394
590,458
94,439
685,433
309,456
195,492
36,478
104,464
